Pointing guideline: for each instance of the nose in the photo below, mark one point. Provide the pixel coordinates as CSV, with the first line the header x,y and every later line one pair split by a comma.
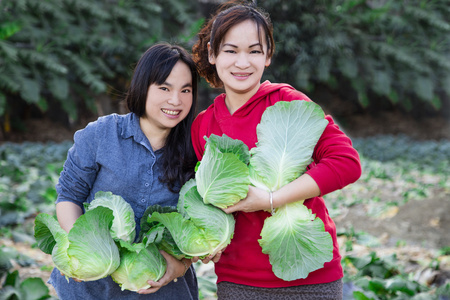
x,y
242,61
174,99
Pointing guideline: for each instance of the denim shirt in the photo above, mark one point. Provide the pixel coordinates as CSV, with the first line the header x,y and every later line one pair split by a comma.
x,y
112,154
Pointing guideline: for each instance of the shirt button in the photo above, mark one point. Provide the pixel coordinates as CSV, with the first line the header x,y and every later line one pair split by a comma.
x,y
142,200
147,184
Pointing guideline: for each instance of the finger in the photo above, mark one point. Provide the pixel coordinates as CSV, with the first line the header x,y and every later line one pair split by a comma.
x,y
216,258
165,254
154,284
194,259
231,209
148,291
207,259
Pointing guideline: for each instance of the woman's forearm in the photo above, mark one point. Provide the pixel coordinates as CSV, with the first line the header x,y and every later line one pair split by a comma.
x,y
301,188
67,213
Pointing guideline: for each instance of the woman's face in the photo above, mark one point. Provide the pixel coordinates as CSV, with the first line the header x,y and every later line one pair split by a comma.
x,y
169,103
241,60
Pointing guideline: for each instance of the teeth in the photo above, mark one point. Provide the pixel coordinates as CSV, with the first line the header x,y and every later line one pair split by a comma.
x,y
171,112
241,75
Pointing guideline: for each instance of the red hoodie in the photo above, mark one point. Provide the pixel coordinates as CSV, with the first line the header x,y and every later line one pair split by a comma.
x,y
336,164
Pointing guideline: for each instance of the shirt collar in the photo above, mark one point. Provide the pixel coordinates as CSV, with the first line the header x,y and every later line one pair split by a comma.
x,y
132,128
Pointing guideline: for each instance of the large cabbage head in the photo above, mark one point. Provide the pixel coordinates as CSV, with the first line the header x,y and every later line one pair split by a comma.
x,y
222,175
87,252
197,229
138,264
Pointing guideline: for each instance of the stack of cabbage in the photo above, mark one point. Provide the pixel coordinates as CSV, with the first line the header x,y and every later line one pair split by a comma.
x,y
199,227
101,240
101,244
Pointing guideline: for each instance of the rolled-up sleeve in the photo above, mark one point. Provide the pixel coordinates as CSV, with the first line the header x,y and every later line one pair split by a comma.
x,y
80,169
336,162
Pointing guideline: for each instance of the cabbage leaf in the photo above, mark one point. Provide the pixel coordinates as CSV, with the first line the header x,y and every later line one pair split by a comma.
x,y
296,242
287,135
124,225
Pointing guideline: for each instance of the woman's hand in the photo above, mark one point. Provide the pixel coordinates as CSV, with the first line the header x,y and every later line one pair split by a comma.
x,y
175,269
209,258
257,199
74,279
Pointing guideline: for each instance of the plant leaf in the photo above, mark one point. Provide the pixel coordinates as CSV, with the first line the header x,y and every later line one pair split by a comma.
x,y
287,135
296,242
124,224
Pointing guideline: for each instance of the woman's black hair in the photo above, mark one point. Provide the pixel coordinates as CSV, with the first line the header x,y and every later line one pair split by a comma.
x,y
155,65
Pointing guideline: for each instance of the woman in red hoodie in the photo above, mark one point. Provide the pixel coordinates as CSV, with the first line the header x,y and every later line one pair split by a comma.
x,y
233,49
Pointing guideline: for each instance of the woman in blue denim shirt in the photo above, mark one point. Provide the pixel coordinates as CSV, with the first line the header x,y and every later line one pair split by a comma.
x,y
144,156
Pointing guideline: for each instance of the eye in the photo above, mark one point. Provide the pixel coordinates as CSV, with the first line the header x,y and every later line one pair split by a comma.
x,y
163,88
186,91
229,51
256,52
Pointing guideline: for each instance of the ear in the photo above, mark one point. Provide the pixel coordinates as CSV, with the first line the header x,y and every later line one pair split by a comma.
x,y
268,61
211,58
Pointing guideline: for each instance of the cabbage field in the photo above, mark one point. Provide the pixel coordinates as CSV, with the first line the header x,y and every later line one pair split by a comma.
x,y
393,224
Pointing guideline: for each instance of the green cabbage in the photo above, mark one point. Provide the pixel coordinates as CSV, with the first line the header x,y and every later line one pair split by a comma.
x,y
155,232
138,264
222,175
294,239
87,252
287,135
296,242
100,244
196,229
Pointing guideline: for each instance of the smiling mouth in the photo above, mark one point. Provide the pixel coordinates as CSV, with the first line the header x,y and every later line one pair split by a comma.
x,y
171,112
241,74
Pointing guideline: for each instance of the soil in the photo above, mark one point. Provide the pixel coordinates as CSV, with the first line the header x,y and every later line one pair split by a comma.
x,y
414,231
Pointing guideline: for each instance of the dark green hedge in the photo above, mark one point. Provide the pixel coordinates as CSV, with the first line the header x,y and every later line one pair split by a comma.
x,y
68,52
73,50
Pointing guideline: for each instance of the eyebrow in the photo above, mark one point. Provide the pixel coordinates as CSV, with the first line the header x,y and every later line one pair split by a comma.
x,y
184,86
251,46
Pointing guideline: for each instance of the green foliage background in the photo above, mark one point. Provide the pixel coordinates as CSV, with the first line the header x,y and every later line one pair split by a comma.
x,y
70,51
67,53
399,50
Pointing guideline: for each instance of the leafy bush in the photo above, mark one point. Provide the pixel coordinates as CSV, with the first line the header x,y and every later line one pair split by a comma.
x,y
395,49
70,51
